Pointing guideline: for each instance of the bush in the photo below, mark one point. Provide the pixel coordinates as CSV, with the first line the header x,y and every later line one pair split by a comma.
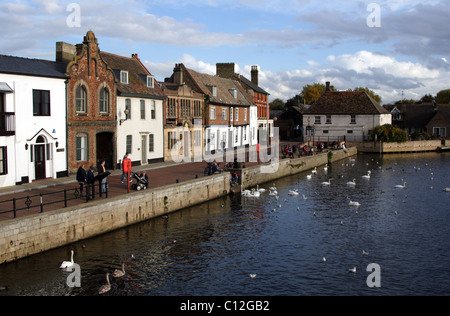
x,y
390,134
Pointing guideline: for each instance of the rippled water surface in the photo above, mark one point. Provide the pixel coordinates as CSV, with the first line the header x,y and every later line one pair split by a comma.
x,y
212,249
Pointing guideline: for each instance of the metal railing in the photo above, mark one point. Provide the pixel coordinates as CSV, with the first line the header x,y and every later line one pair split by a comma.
x,y
42,200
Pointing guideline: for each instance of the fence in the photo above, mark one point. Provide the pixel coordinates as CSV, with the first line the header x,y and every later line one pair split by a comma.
x,y
41,200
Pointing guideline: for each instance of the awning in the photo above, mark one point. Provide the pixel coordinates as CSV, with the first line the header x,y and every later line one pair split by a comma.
x,y
5,88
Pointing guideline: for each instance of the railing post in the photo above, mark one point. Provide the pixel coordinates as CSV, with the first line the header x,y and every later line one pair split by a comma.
x,y
65,197
42,205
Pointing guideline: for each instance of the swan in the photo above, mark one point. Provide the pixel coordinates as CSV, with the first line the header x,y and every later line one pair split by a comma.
x,y
106,287
273,188
447,189
324,260
253,275
352,203
399,186
119,273
326,167
260,190
293,192
367,176
67,264
352,182
304,197
352,270
314,171
327,183
309,176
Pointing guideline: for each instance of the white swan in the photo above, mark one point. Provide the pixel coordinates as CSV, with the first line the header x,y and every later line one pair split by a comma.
x,y
119,273
314,171
67,264
327,183
399,186
352,203
367,176
447,189
309,176
252,275
106,287
304,197
352,270
261,190
293,192
326,167
352,182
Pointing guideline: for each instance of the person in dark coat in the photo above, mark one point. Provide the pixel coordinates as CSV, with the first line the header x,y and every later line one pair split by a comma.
x,y
81,178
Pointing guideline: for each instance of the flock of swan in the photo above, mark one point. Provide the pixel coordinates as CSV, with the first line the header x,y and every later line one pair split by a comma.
x,y
117,273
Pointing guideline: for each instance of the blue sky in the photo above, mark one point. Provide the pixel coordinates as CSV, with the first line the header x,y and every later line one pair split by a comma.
x,y
294,42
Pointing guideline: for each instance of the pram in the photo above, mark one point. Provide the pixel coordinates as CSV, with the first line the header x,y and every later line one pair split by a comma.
x,y
141,182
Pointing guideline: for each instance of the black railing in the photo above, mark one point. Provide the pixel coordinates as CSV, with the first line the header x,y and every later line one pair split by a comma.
x,y
39,201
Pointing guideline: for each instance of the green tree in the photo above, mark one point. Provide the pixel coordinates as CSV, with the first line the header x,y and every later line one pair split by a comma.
x,y
390,134
443,97
375,96
277,104
311,93
295,101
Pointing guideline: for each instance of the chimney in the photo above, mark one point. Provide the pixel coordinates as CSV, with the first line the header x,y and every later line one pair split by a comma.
x,y
65,52
178,74
327,88
225,70
254,73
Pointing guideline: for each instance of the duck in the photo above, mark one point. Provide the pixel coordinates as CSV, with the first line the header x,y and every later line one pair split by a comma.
x,y
67,264
119,273
106,287
399,186
352,182
353,270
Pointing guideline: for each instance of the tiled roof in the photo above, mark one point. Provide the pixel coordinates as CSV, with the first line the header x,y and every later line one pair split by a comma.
x,y
32,67
346,103
137,76
249,83
224,89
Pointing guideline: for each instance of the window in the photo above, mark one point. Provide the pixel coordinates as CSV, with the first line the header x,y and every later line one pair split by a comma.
x,y
3,160
214,91
129,144
80,99
245,114
81,148
325,131
171,107
328,119
353,119
317,120
212,114
185,107
124,76
224,115
440,132
197,108
237,115
172,137
349,131
231,114
153,110
128,108
41,103
151,143
142,109
150,82
197,138
104,101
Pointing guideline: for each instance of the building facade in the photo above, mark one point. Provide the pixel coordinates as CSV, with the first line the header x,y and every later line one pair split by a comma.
x,y
32,120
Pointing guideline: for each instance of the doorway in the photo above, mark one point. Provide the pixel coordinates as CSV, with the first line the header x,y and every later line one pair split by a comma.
x,y
144,149
105,149
39,158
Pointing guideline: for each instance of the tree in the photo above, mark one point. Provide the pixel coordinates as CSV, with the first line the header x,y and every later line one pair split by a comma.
x,y
375,96
311,93
277,104
295,101
390,134
443,97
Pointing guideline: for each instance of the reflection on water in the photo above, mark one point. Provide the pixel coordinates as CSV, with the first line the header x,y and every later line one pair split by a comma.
x,y
212,249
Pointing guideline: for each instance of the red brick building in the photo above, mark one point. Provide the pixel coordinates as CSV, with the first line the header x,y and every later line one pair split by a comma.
x,y
91,105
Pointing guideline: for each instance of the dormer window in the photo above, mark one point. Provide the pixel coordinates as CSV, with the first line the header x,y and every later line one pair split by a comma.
x,y
150,82
214,91
124,76
233,93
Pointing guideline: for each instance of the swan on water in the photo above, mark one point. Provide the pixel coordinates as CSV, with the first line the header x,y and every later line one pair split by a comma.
x,y
260,189
293,192
447,189
67,264
352,270
309,176
253,275
304,197
106,287
327,183
352,182
326,167
352,203
314,171
367,176
399,186
119,273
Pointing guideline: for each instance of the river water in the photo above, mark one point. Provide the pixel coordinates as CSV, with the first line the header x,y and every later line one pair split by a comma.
x,y
212,249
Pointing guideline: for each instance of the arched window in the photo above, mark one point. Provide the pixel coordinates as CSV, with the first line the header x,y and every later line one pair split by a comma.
x,y
104,100
81,98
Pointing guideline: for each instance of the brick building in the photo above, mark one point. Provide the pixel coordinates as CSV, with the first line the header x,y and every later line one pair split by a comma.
x,y
91,105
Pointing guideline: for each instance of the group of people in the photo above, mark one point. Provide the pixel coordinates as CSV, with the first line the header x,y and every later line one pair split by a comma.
x,y
85,178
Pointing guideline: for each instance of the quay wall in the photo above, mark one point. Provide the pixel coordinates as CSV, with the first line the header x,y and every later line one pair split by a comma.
x,y
406,147
26,236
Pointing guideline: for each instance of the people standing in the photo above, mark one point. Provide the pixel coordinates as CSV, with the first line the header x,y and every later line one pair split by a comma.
x,y
81,178
102,169
126,164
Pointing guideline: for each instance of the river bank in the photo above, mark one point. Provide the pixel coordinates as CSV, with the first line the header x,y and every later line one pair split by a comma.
x,y
34,234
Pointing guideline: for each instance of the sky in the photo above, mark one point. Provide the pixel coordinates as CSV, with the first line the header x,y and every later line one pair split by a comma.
x,y
396,48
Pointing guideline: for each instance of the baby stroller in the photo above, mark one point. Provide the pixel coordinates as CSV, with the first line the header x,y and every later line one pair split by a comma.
x,y
141,182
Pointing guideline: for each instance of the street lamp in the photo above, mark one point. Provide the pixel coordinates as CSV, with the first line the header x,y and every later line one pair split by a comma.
x,y
126,112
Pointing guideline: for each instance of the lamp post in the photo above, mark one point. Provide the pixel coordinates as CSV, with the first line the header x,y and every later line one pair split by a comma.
x,y
126,112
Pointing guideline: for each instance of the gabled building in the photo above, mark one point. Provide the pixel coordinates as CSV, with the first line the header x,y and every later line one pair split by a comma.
x,y
140,103
226,112
91,105
32,120
343,115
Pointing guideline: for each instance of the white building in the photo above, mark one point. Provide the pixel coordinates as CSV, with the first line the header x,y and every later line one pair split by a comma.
x,y
140,105
343,116
32,120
